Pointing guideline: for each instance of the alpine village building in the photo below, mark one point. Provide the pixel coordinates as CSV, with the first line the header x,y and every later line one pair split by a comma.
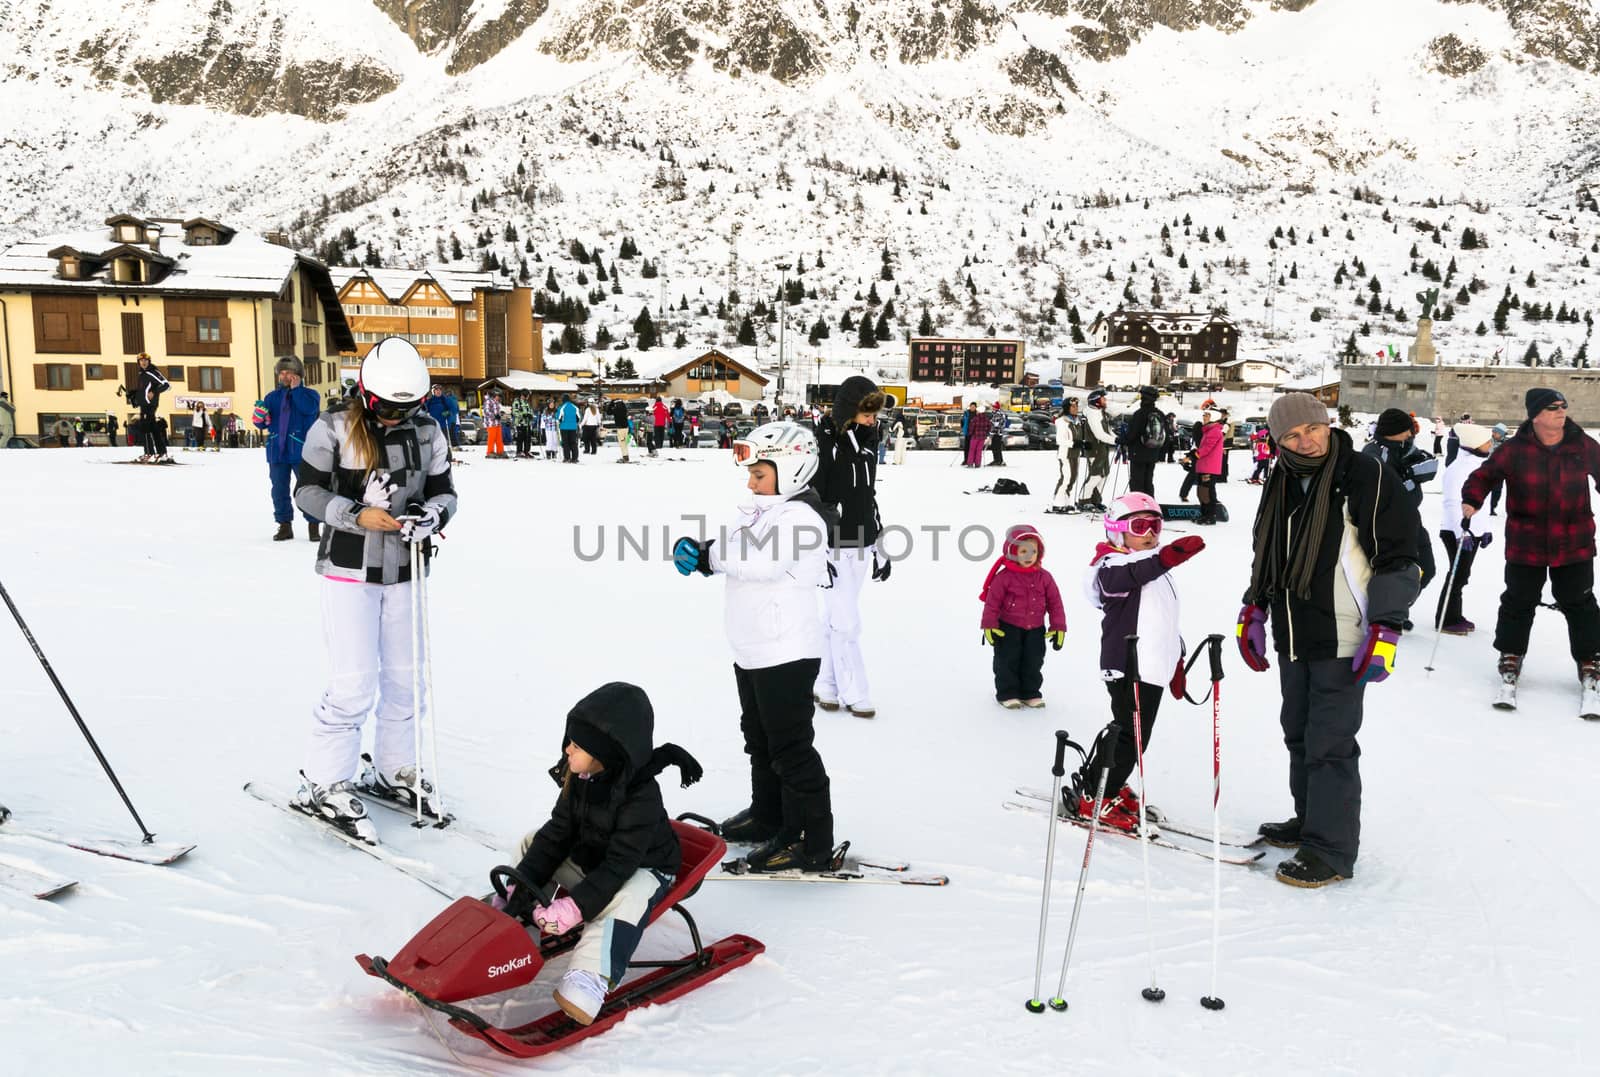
x,y
982,360
469,327
213,307
1196,344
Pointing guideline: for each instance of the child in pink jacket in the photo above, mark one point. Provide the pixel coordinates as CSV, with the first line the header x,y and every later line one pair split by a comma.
x,y
1018,595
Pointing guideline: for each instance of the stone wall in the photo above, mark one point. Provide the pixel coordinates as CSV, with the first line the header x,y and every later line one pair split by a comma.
x,y
1488,394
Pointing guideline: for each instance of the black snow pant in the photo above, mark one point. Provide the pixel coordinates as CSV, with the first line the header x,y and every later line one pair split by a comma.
x,y
1119,731
1573,588
1142,477
154,443
1321,716
996,446
1018,663
1208,497
1189,479
1449,611
1425,557
524,441
788,784
569,446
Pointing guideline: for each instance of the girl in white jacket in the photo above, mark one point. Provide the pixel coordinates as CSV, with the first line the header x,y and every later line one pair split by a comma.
x,y
774,555
1477,443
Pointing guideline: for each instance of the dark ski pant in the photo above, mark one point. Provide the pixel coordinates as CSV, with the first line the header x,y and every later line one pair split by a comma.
x,y
1573,588
524,441
1018,663
996,446
1425,557
1142,477
1120,732
788,783
1189,479
569,446
282,505
1449,611
1207,495
1321,716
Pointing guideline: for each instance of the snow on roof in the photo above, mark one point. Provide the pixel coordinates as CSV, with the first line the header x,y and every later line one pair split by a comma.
x,y
1108,352
522,381
571,362
1243,359
395,283
246,265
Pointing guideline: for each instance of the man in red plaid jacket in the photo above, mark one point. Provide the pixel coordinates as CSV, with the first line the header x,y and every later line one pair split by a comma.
x,y
1548,467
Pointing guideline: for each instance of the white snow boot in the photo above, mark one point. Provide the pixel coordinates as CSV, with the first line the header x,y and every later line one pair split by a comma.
x,y
399,788
338,806
581,994
1589,677
1505,698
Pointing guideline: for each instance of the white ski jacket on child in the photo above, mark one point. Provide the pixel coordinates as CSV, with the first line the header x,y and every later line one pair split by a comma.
x,y
775,555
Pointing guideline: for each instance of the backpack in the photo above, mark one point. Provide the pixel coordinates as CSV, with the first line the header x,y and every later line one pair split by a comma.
x,y
1009,486
1155,431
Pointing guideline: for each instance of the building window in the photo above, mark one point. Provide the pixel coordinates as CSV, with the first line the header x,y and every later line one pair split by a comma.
x,y
1386,387
132,334
58,375
208,379
208,330
1416,387
95,372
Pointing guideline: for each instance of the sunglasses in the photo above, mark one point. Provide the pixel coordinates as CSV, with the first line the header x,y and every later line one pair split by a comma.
x,y
1136,525
1559,406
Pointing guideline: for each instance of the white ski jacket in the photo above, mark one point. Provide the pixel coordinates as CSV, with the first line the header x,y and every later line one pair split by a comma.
x,y
775,556
1455,477
1065,446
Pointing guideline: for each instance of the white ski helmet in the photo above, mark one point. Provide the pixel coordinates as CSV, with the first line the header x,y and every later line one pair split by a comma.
x,y
394,379
1126,506
789,447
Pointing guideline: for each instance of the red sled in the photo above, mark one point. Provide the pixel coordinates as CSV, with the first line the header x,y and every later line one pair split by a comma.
x,y
472,949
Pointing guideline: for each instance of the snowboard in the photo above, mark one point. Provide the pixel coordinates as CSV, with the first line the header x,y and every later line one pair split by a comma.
x,y
1185,511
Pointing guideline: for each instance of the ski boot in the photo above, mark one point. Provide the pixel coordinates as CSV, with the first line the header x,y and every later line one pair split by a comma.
x,y
399,788
338,806
1589,677
745,828
864,709
1307,870
1285,835
1462,627
829,705
784,853
1505,699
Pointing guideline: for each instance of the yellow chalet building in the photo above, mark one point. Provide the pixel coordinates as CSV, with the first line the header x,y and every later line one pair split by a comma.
x,y
215,308
469,327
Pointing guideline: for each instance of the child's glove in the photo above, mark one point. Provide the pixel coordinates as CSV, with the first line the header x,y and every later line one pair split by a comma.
x,y
1251,633
380,489
992,634
558,917
1179,684
260,415
880,565
1375,661
501,903
1058,639
691,556
519,902
1180,550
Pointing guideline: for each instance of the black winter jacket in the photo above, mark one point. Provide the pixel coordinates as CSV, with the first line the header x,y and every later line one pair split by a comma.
x,y
1374,582
615,823
1412,465
1133,436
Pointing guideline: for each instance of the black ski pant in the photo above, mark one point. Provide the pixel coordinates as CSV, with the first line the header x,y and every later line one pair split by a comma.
x,y
524,441
996,445
155,442
1425,557
1321,716
788,784
1573,588
1018,663
1142,477
569,446
1207,496
1119,733
1189,479
1449,611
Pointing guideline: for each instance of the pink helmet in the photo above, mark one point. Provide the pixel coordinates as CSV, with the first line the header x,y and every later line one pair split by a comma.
x,y
1128,505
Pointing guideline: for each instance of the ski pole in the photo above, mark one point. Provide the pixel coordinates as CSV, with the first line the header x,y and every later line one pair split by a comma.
x,y
76,717
1213,1001
416,672
1449,582
1104,753
1151,993
427,699
1033,1003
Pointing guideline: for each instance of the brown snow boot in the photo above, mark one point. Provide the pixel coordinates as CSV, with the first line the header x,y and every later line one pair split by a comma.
x,y
284,532
312,531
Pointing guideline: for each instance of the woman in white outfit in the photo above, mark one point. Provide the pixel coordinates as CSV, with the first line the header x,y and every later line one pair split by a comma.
x,y
378,472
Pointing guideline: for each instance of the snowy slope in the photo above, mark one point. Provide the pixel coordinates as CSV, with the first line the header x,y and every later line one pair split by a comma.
x,y
192,645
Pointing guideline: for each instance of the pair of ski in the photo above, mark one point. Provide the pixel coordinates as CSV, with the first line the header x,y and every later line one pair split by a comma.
x,y
1038,802
38,884
844,869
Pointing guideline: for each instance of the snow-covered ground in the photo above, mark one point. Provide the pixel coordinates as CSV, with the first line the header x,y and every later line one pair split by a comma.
x,y
193,646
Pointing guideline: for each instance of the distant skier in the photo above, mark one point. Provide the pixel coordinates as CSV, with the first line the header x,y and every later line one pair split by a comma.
x,y
1145,439
609,842
1067,453
1548,468
285,416
1476,444
147,390
380,457
978,426
623,425
773,553
1020,598
1101,440
1130,581
1396,445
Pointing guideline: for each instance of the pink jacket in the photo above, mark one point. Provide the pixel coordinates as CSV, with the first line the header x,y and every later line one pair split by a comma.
x,y
1208,454
1022,596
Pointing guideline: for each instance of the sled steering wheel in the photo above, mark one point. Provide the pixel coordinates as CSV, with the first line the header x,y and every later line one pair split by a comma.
x,y
497,877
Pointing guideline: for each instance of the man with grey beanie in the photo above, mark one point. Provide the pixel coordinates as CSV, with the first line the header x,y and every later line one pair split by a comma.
x,y
1329,519
285,415
1548,468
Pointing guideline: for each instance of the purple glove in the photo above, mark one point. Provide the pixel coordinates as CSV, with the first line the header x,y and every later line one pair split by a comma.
x,y
558,917
1375,661
1471,542
499,903
1252,637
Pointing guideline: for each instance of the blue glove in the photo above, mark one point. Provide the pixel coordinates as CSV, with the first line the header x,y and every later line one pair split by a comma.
x,y
690,556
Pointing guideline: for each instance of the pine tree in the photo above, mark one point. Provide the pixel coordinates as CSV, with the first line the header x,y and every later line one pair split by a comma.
x,y
867,338
1531,356
747,332
1183,261
602,339
646,329
1501,312
1060,300
882,331
845,324
550,284
1194,284
925,324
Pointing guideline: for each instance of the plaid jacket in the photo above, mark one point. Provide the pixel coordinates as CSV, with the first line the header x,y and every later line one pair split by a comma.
x,y
1548,518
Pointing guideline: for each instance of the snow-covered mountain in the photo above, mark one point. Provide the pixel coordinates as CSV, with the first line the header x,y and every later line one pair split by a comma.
x,y
992,149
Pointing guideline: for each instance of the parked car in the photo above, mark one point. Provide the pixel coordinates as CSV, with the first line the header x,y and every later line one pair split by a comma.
x,y
20,441
1041,430
1242,432
710,433
733,407
470,429
945,435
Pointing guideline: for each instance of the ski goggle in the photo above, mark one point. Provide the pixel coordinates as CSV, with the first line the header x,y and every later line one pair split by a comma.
x,y
745,454
390,410
1135,525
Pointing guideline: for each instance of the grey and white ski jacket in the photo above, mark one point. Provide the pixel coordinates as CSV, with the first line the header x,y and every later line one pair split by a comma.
x,y
332,486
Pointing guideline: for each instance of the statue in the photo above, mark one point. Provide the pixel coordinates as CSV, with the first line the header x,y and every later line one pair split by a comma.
x,y
1421,353
1429,299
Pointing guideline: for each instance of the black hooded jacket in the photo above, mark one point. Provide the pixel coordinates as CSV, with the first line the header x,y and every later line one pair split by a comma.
x,y
1133,436
615,823
847,470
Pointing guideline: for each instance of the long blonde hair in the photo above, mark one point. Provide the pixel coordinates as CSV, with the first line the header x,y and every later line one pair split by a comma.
x,y
359,439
